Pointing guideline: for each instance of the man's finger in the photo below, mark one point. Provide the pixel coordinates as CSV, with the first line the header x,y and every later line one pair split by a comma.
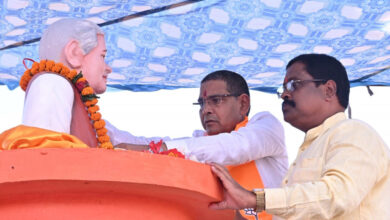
x,y
217,171
218,205
224,175
221,170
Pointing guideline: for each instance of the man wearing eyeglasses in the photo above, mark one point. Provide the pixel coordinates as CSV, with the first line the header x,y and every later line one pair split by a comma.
x,y
342,170
253,149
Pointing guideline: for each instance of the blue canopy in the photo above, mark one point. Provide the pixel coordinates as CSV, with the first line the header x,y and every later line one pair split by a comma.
x,y
166,44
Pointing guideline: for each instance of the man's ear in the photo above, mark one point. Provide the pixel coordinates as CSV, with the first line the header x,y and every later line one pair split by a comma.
x,y
245,103
330,89
73,54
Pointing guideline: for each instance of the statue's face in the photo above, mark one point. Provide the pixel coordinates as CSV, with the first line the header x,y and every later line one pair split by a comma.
x,y
94,67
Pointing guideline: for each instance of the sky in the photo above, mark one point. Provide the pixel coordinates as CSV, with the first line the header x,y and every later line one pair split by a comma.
x,y
171,113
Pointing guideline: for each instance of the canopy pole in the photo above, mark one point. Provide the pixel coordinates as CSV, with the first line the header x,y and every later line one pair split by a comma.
x,y
370,91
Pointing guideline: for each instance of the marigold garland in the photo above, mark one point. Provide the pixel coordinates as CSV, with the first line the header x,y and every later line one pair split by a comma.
x,y
96,116
93,109
99,124
90,103
104,138
102,131
87,94
87,91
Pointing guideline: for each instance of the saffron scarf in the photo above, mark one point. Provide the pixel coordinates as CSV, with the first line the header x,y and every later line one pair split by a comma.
x,y
21,137
248,177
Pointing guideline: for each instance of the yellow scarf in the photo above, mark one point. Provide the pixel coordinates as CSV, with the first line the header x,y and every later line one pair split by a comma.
x,y
22,136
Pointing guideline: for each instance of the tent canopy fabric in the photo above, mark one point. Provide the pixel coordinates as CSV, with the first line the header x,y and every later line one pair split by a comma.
x,y
167,44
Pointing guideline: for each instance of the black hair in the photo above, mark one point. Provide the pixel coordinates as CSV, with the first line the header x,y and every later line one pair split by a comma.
x,y
235,83
322,66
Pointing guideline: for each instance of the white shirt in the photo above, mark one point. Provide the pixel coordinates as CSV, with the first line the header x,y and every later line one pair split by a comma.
x,y
261,140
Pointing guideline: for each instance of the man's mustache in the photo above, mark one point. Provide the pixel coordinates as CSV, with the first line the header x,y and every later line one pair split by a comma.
x,y
288,102
209,119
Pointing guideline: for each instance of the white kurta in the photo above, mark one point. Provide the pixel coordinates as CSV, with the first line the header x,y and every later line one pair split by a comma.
x,y
261,140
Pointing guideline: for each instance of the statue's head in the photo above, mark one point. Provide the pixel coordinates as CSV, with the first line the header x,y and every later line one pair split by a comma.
x,y
78,44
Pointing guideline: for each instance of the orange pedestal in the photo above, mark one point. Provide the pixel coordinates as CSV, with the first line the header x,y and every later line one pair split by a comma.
x,y
104,184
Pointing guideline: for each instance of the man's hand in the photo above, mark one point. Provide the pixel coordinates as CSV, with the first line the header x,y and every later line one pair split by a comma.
x,y
137,147
134,147
235,197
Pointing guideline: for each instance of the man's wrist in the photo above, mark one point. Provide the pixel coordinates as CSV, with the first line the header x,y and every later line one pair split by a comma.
x,y
260,200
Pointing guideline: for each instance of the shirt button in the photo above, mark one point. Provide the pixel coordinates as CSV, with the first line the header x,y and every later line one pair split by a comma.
x,y
286,181
294,164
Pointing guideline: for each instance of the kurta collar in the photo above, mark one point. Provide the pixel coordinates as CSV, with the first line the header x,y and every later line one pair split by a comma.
x,y
329,122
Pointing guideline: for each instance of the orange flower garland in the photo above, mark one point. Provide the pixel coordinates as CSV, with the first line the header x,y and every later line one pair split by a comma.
x,y
88,96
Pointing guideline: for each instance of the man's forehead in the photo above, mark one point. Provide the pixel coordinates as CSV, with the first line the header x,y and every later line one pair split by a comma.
x,y
213,87
296,71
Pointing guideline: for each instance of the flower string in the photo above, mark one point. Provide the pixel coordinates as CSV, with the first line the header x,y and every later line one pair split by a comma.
x,y
87,94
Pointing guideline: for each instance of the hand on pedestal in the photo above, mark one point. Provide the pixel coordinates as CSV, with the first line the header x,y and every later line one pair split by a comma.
x,y
234,196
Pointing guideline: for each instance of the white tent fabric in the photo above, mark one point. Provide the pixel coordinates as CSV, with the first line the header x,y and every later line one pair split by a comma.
x,y
165,44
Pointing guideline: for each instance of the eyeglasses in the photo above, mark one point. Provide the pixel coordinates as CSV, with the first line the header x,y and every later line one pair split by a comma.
x,y
294,84
213,100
